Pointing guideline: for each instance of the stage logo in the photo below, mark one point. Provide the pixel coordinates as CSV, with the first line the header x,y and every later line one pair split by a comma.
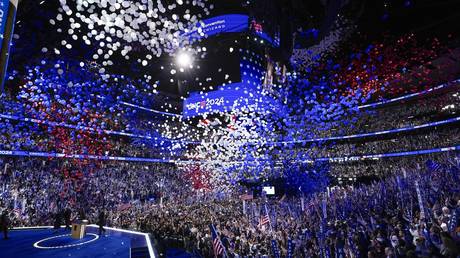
x,y
206,104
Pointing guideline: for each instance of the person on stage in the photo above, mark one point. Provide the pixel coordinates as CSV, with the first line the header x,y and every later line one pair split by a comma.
x,y
101,222
57,221
5,223
67,216
81,214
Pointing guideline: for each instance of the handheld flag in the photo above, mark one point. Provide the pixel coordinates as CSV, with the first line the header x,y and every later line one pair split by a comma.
x,y
264,219
217,245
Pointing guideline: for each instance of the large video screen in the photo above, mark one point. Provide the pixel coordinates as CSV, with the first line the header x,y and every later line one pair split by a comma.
x,y
269,190
222,100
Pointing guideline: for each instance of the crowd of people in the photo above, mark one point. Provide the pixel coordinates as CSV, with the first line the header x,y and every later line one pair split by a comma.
x,y
382,219
415,111
437,138
378,219
378,168
37,189
27,136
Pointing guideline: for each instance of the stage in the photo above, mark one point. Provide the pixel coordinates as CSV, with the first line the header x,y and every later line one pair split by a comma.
x,y
43,242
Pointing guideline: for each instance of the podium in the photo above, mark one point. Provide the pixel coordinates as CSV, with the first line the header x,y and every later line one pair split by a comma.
x,y
79,229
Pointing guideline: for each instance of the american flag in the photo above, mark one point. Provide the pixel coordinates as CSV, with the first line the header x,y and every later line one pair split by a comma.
x,y
217,245
124,206
246,197
264,219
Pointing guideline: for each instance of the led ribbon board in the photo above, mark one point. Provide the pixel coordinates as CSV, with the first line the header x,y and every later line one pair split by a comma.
x,y
151,160
4,4
229,23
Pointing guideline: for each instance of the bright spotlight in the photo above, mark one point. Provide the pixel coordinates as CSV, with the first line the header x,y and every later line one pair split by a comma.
x,y
184,60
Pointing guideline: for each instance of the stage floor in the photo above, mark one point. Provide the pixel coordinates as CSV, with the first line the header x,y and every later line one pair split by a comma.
x,y
44,242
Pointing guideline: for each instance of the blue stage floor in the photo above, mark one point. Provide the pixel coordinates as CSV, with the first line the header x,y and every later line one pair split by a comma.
x,y
43,243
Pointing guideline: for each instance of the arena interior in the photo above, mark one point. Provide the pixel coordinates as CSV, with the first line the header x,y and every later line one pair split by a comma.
x,y
242,128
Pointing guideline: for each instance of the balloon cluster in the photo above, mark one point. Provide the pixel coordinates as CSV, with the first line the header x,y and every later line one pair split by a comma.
x,y
343,29
119,26
307,178
71,95
390,66
252,142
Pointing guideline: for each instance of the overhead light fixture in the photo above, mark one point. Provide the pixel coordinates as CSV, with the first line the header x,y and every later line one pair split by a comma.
x,y
184,59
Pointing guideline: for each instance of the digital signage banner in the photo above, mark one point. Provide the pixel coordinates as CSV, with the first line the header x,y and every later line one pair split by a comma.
x,y
4,4
229,98
220,24
332,159
212,102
